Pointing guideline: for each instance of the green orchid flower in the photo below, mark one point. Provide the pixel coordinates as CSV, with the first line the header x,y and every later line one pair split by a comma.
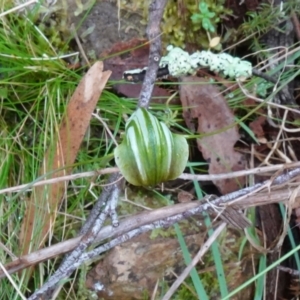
x,y
150,153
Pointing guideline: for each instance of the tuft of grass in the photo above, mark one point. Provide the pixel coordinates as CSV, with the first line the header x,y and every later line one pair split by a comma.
x,y
36,83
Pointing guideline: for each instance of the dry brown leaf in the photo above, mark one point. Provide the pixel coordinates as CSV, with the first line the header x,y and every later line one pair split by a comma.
x,y
206,111
42,207
257,126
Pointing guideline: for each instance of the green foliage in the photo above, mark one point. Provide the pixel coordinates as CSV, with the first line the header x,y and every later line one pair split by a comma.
x,y
262,20
204,18
162,233
186,291
36,85
184,23
263,87
177,24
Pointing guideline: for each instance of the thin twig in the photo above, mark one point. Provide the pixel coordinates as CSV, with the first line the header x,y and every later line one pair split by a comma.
x,y
289,270
296,24
184,176
38,182
21,6
246,93
156,10
276,58
194,262
74,32
13,283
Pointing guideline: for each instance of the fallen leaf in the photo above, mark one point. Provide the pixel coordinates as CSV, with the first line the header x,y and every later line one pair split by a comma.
x,y
206,111
43,205
257,126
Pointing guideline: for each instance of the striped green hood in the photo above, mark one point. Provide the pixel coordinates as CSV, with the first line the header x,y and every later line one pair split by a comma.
x,y
150,153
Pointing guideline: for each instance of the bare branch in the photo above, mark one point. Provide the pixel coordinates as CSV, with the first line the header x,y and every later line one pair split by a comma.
x,y
260,194
89,230
184,176
156,10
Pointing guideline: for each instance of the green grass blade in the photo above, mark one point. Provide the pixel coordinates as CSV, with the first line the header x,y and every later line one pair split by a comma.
x,y
214,248
187,258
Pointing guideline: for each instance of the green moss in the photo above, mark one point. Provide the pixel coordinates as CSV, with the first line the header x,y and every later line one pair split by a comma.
x,y
55,27
179,29
177,26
